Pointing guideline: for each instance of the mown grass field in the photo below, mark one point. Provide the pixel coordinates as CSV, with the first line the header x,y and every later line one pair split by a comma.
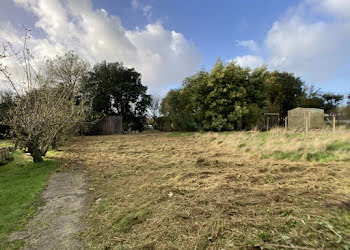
x,y
21,185
216,190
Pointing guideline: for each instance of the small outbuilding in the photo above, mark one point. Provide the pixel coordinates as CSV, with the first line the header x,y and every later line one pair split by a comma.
x,y
305,118
271,120
110,125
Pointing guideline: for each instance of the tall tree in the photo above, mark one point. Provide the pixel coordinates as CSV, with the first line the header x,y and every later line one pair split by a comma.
x,y
154,110
331,101
117,90
228,97
285,91
176,106
312,98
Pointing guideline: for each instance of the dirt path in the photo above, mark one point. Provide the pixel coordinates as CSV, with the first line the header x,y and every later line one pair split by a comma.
x,y
57,223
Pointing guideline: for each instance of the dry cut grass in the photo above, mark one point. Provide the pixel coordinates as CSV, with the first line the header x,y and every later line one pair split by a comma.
x,y
317,145
156,191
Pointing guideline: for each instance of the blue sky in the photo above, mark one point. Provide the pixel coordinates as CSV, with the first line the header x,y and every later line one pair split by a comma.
x,y
169,40
213,27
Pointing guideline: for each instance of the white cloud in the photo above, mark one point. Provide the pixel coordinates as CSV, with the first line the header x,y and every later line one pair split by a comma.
x,y
162,56
315,50
249,61
337,8
146,9
250,44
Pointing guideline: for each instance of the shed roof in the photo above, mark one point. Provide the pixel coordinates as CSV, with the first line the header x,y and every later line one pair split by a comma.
x,y
307,109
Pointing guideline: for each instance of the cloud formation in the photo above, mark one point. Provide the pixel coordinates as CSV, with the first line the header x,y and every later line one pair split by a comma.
x,y
250,61
316,50
146,9
250,44
162,56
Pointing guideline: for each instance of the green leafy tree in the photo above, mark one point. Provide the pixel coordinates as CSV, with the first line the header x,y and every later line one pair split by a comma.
x,y
331,101
176,106
228,97
312,98
117,90
7,101
285,92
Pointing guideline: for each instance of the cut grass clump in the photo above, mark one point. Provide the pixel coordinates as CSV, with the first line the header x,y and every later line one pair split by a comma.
x,y
21,184
126,221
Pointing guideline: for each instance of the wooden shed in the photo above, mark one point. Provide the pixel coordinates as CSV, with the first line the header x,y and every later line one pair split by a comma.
x,y
271,120
111,124
305,118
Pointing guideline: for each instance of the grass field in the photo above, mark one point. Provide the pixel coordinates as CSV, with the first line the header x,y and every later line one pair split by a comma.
x,y
215,190
315,146
21,185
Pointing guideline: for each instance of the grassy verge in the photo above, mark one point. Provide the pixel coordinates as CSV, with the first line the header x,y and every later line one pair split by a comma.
x,y
21,184
316,146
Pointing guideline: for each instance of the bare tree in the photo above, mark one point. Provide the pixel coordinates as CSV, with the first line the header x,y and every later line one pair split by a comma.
x,y
46,103
154,110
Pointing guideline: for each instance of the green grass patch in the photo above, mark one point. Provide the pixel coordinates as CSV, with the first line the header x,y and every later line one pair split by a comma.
x,y
344,146
293,156
21,184
320,156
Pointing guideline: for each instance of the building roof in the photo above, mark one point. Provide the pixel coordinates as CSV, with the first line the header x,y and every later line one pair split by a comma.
x,y
307,109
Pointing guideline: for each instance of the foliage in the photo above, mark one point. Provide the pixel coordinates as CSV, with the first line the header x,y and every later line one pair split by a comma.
x,y
21,184
229,97
284,92
6,102
117,90
331,101
177,107
46,105
314,98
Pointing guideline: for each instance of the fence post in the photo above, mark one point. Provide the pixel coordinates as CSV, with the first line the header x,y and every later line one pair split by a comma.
x,y
268,123
306,123
286,123
333,123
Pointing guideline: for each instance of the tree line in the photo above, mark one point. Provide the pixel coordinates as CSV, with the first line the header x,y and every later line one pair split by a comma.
x,y
66,96
230,97
63,97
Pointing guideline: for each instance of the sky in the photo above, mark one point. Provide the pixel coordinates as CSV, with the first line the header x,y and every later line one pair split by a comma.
x,y
167,41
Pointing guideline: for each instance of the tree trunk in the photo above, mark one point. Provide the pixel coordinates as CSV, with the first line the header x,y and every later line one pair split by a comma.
x,y
34,150
54,143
